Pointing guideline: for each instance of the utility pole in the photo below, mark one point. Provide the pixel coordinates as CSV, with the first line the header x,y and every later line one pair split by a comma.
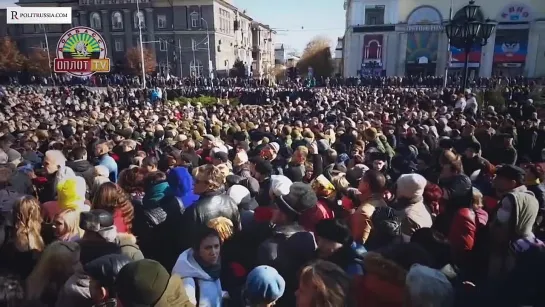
x,y
166,50
445,80
48,56
180,57
210,69
141,44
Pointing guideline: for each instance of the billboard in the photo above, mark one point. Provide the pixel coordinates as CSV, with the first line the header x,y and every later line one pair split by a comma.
x,y
511,46
422,47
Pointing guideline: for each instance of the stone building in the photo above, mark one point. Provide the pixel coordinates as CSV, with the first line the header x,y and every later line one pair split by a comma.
x,y
396,38
177,30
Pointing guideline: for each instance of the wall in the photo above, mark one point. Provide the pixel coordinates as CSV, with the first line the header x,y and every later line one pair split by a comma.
x,y
357,11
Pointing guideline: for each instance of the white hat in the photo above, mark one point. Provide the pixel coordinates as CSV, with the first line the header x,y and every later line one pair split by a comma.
x,y
280,185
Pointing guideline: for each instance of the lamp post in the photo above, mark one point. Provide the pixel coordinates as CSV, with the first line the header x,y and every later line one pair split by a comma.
x,y
166,50
141,44
467,31
208,43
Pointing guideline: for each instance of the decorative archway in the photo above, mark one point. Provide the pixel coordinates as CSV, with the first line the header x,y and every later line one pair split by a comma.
x,y
425,14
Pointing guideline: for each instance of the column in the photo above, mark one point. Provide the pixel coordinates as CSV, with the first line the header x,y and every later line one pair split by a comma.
x,y
128,28
348,37
443,54
83,18
390,58
487,57
150,24
402,54
106,31
530,67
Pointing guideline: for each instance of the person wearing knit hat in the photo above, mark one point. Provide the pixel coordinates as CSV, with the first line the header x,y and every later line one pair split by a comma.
x,y
410,206
264,286
70,196
146,283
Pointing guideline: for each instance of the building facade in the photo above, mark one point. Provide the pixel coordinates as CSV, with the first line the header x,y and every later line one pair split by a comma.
x,y
396,38
184,34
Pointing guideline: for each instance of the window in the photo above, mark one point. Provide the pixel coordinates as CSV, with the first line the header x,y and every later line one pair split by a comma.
x,y
118,45
161,21
95,21
139,17
196,68
195,20
163,45
117,21
43,45
374,14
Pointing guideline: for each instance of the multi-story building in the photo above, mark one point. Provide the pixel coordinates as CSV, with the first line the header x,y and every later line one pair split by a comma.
x,y
177,31
396,37
263,49
280,54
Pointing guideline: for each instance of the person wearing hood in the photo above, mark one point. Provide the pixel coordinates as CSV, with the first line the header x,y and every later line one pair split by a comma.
x,y
200,268
410,207
335,244
159,216
181,183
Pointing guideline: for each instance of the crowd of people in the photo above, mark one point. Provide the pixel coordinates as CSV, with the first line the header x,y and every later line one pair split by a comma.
x,y
365,196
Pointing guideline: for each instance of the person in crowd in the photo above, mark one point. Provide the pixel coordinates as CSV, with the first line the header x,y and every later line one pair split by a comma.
x,y
99,229
335,244
428,287
102,152
150,164
410,206
66,226
264,286
24,243
132,182
323,284
81,166
70,196
371,188
103,272
200,268
147,283
112,198
12,291
213,202
57,263
181,182
55,167
101,175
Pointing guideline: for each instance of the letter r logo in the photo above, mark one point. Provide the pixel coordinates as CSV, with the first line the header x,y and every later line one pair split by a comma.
x,y
14,15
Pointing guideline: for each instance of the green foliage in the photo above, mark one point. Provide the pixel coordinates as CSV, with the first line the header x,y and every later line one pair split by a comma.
x,y
204,101
494,98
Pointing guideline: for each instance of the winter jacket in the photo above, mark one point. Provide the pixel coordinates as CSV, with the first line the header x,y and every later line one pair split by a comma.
x,y
75,291
210,206
83,168
210,291
111,165
360,220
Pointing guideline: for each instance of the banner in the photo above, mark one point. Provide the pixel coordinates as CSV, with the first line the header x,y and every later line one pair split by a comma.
x,y
457,55
511,46
422,47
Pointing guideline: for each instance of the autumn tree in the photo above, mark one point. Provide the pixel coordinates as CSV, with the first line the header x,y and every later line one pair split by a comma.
x,y
38,62
134,61
238,70
317,55
279,71
11,60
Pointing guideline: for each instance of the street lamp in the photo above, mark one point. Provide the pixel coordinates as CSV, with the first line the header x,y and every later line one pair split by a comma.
x,y
467,31
208,43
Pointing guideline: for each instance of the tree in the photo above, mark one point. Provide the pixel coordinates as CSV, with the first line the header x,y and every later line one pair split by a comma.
x,y
279,71
38,62
317,55
238,70
11,60
134,60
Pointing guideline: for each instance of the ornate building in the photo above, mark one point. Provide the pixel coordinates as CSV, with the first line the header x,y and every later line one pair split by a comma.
x,y
394,37
175,29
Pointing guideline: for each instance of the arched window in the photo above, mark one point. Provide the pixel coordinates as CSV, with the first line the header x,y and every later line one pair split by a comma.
x,y
117,21
196,68
95,21
139,16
